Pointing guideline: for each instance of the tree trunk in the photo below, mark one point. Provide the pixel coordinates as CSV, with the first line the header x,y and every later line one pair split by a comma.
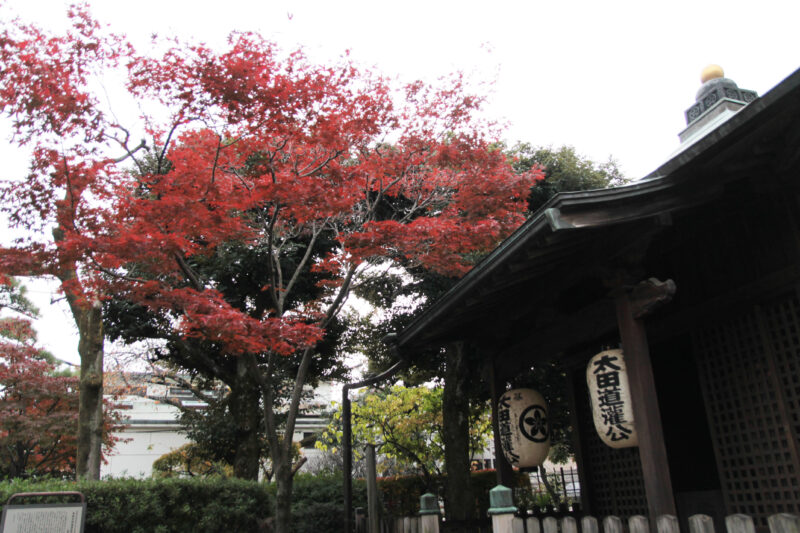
x,y
459,501
88,316
90,407
245,408
281,447
283,497
555,497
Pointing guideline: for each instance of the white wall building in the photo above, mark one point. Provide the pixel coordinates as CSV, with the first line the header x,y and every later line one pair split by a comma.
x,y
152,429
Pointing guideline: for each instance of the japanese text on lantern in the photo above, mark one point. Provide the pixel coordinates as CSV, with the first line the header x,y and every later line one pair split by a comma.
x,y
523,428
607,379
504,427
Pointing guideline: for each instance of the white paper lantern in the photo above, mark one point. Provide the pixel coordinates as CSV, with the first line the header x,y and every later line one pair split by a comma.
x,y
610,395
524,427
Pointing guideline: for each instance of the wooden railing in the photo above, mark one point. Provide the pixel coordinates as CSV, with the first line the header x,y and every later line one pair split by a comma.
x,y
505,519
737,523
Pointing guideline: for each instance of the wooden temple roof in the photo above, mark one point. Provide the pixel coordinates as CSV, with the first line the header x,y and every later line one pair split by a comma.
x,y
546,286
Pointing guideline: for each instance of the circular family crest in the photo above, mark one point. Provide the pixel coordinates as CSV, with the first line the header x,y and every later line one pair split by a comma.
x,y
533,423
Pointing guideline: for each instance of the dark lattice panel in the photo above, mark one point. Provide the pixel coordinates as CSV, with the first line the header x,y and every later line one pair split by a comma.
x,y
615,475
783,326
748,370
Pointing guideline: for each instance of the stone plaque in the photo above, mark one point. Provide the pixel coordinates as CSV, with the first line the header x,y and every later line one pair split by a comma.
x,y
44,518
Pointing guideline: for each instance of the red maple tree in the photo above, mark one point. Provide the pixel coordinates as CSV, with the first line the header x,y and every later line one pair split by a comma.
x,y
44,91
38,406
38,412
250,146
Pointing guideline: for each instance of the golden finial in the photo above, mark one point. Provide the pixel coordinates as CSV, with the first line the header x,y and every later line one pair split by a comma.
x,y
711,72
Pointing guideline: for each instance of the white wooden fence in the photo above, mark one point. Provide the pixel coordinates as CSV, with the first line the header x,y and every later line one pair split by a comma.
x,y
508,523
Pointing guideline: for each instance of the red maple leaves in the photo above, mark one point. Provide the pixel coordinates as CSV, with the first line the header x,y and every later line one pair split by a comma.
x,y
248,145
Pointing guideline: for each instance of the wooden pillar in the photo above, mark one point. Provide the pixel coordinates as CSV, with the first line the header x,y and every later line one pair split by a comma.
x,y
372,490
505,473
577,440
652,451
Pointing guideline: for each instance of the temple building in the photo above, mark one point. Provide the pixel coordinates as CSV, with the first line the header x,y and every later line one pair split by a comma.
x,y
694,272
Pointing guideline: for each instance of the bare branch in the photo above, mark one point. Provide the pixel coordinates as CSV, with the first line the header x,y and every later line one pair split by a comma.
x,y
216,160
297,393
187,353
273,281
301,265
306,172
190,274
113,274
160,158
130,153
344,290
299,464
246,185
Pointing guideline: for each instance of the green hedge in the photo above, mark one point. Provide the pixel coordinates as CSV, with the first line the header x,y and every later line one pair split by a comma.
x,y
163,505
318,502
218,504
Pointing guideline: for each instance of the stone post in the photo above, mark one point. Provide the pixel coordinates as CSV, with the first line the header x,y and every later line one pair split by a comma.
x,y
638,524
612,524
589,525
428,513
668,523
739,523
701,523
784,523
501,509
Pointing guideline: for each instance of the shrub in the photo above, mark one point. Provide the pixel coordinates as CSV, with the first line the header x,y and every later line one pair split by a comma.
x,y
163,505
317,505
212,504
190,460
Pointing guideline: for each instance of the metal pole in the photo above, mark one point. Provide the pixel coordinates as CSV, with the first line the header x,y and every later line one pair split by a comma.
x,y
347,466
347,435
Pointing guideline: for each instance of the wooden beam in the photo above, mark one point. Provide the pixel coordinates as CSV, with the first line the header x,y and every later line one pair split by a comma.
x,y
647,418
585,325
730,302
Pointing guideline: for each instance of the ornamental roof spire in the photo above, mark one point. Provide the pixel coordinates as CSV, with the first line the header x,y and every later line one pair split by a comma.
x,y
717,100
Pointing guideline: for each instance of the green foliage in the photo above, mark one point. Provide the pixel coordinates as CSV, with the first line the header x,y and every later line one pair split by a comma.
x,y
165,505
13,297
188,461
220,504
218,430
401,493
564,170
317,502
406,425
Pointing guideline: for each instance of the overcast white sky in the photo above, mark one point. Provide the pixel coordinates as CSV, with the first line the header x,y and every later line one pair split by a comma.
x,y
611,78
